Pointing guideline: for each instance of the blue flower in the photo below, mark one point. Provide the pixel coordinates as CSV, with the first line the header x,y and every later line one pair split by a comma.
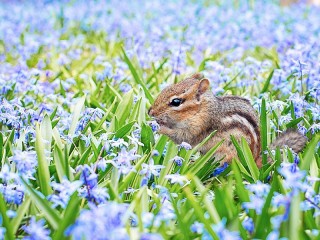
x,y
177,178
220,169
63,192
107,221
26,162
185,145
222,232
197,227
150,169
259,189
248,224
178,160
255,203
88,176
36,230
91,191
13,193
151,236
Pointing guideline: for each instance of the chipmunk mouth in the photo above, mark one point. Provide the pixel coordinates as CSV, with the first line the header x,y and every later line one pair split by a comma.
x,y
163,123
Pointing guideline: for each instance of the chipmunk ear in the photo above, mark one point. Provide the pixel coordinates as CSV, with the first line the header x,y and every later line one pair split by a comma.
x,y
198,76
203,87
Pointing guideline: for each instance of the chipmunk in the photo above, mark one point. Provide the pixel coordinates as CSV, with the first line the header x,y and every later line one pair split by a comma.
x,y
188,112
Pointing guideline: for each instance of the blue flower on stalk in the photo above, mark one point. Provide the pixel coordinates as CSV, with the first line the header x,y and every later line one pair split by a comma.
x,y
7,175
86,139
248,224
154,126
63,192
88,176
26,162
105,222
12,193
259,189
10,188
221,231
274,235
106,73
293,177
197,227
36,230
91,191
178,160
151,236
220,169
255,203
185,145
123,160
177,178
2,232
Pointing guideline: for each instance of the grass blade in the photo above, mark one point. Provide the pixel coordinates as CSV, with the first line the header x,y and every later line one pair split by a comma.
x,y
50,214
136,76
5,219
43,167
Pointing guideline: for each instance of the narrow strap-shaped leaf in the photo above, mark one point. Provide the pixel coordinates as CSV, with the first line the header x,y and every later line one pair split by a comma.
x,y
267,83
136,76
308,154
50,214
43,168
250,161
21,211
264,133
5,220
69,217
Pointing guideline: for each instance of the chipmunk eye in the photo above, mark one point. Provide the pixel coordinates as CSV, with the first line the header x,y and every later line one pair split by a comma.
x,y
176,102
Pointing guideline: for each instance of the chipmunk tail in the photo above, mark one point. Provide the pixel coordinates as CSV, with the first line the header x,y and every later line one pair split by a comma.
x,y
292,139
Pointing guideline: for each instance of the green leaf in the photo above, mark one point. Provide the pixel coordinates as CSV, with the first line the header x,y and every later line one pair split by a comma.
x,y
124,184
124,130
249,159
267,83
147,137
1,146
105,117
21,211
194,150
172,151
43,168
263,221
198,165
57,139
159,146
199,211
294,122
69,217
209,206
46,132
264,132
49,213
124,108
53,114
240,189
295,221
5,220
59,163
308,154
136,76
76,116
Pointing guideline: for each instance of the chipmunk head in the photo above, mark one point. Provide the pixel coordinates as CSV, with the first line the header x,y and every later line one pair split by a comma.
x,y
177,106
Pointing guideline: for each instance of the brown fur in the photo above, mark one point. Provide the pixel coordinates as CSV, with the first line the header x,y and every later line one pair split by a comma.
x,y
201,113
292,139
